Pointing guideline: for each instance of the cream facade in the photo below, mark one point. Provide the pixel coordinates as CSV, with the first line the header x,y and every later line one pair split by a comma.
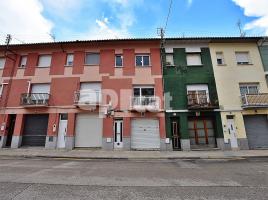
x,y
230,75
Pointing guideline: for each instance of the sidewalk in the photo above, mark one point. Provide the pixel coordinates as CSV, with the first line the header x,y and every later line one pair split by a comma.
x,y
101,154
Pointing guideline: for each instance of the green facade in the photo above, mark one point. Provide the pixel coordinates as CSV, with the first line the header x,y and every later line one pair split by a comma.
x,y
264,56
176,79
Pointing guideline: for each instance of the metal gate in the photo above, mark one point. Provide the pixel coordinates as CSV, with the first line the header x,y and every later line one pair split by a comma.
x,y
88,130
257,131
35,130
145,134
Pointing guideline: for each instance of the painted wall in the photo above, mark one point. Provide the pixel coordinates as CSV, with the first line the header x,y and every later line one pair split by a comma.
x,y
228,78
230,75
65,80
60,77
176,79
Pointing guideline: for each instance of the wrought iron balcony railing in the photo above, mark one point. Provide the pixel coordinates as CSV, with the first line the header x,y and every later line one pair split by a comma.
x,y
87,97
200,101
254,100
142,104
34,99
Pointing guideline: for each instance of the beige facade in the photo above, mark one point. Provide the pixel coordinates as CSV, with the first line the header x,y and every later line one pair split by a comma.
x,y
229,76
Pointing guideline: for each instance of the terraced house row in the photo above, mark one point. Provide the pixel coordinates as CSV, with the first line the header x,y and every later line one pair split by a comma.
x,y
129,94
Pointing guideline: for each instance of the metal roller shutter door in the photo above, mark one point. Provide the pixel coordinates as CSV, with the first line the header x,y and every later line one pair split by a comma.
x,y
35,130
88,131
257,131
145,134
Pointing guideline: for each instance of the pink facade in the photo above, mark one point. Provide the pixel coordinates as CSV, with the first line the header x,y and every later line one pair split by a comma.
x,y
65,84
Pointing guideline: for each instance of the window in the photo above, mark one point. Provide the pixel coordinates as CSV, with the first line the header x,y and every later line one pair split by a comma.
x,y
249,89
143,92
142,60
69,60
198,94
90,86
193,59
242,58
89,92
220,59
2,63
44,61
118,60
169,60
42,88
1,89
92,59
23,62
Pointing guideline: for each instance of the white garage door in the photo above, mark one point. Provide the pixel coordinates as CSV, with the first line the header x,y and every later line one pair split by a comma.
x,y
145,134
88,131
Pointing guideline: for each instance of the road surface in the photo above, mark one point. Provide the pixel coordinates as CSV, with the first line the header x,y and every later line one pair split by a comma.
x,y
73,179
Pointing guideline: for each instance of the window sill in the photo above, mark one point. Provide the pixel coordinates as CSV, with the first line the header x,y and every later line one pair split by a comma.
x,y
68,65
141,66
244,64
170,65
90,65
221,65
118,67
41,67
195,65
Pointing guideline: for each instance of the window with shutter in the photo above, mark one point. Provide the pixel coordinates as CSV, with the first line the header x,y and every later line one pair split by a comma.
x,y
2,63
44,61
193,59
92,59
242,58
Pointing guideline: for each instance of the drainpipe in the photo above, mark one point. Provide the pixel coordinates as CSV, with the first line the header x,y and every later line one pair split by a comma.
x,y
29,87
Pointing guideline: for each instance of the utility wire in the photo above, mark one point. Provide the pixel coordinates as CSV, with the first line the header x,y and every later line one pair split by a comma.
x,y
169,11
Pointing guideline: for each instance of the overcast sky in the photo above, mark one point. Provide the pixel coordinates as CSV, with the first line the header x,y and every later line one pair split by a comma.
x,y
37,20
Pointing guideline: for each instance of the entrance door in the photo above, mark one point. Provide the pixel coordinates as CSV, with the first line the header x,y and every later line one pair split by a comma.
x,y
10,129
201,133
118,134
232,133
175,134
62,130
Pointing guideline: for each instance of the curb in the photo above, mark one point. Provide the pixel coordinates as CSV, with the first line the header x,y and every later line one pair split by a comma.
x,y
131,158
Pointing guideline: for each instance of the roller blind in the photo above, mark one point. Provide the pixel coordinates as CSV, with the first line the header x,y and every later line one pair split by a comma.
x,y
41,88
44,61
193,59
242,57
169,59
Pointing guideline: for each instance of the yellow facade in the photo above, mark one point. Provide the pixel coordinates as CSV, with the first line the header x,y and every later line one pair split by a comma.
x,y
228,77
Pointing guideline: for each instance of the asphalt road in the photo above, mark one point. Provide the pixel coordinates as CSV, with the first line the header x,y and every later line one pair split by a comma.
x,y
133,179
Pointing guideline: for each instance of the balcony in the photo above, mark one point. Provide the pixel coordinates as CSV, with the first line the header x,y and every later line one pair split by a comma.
x,y
255,100
87,98
200,101
34,99
143,104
